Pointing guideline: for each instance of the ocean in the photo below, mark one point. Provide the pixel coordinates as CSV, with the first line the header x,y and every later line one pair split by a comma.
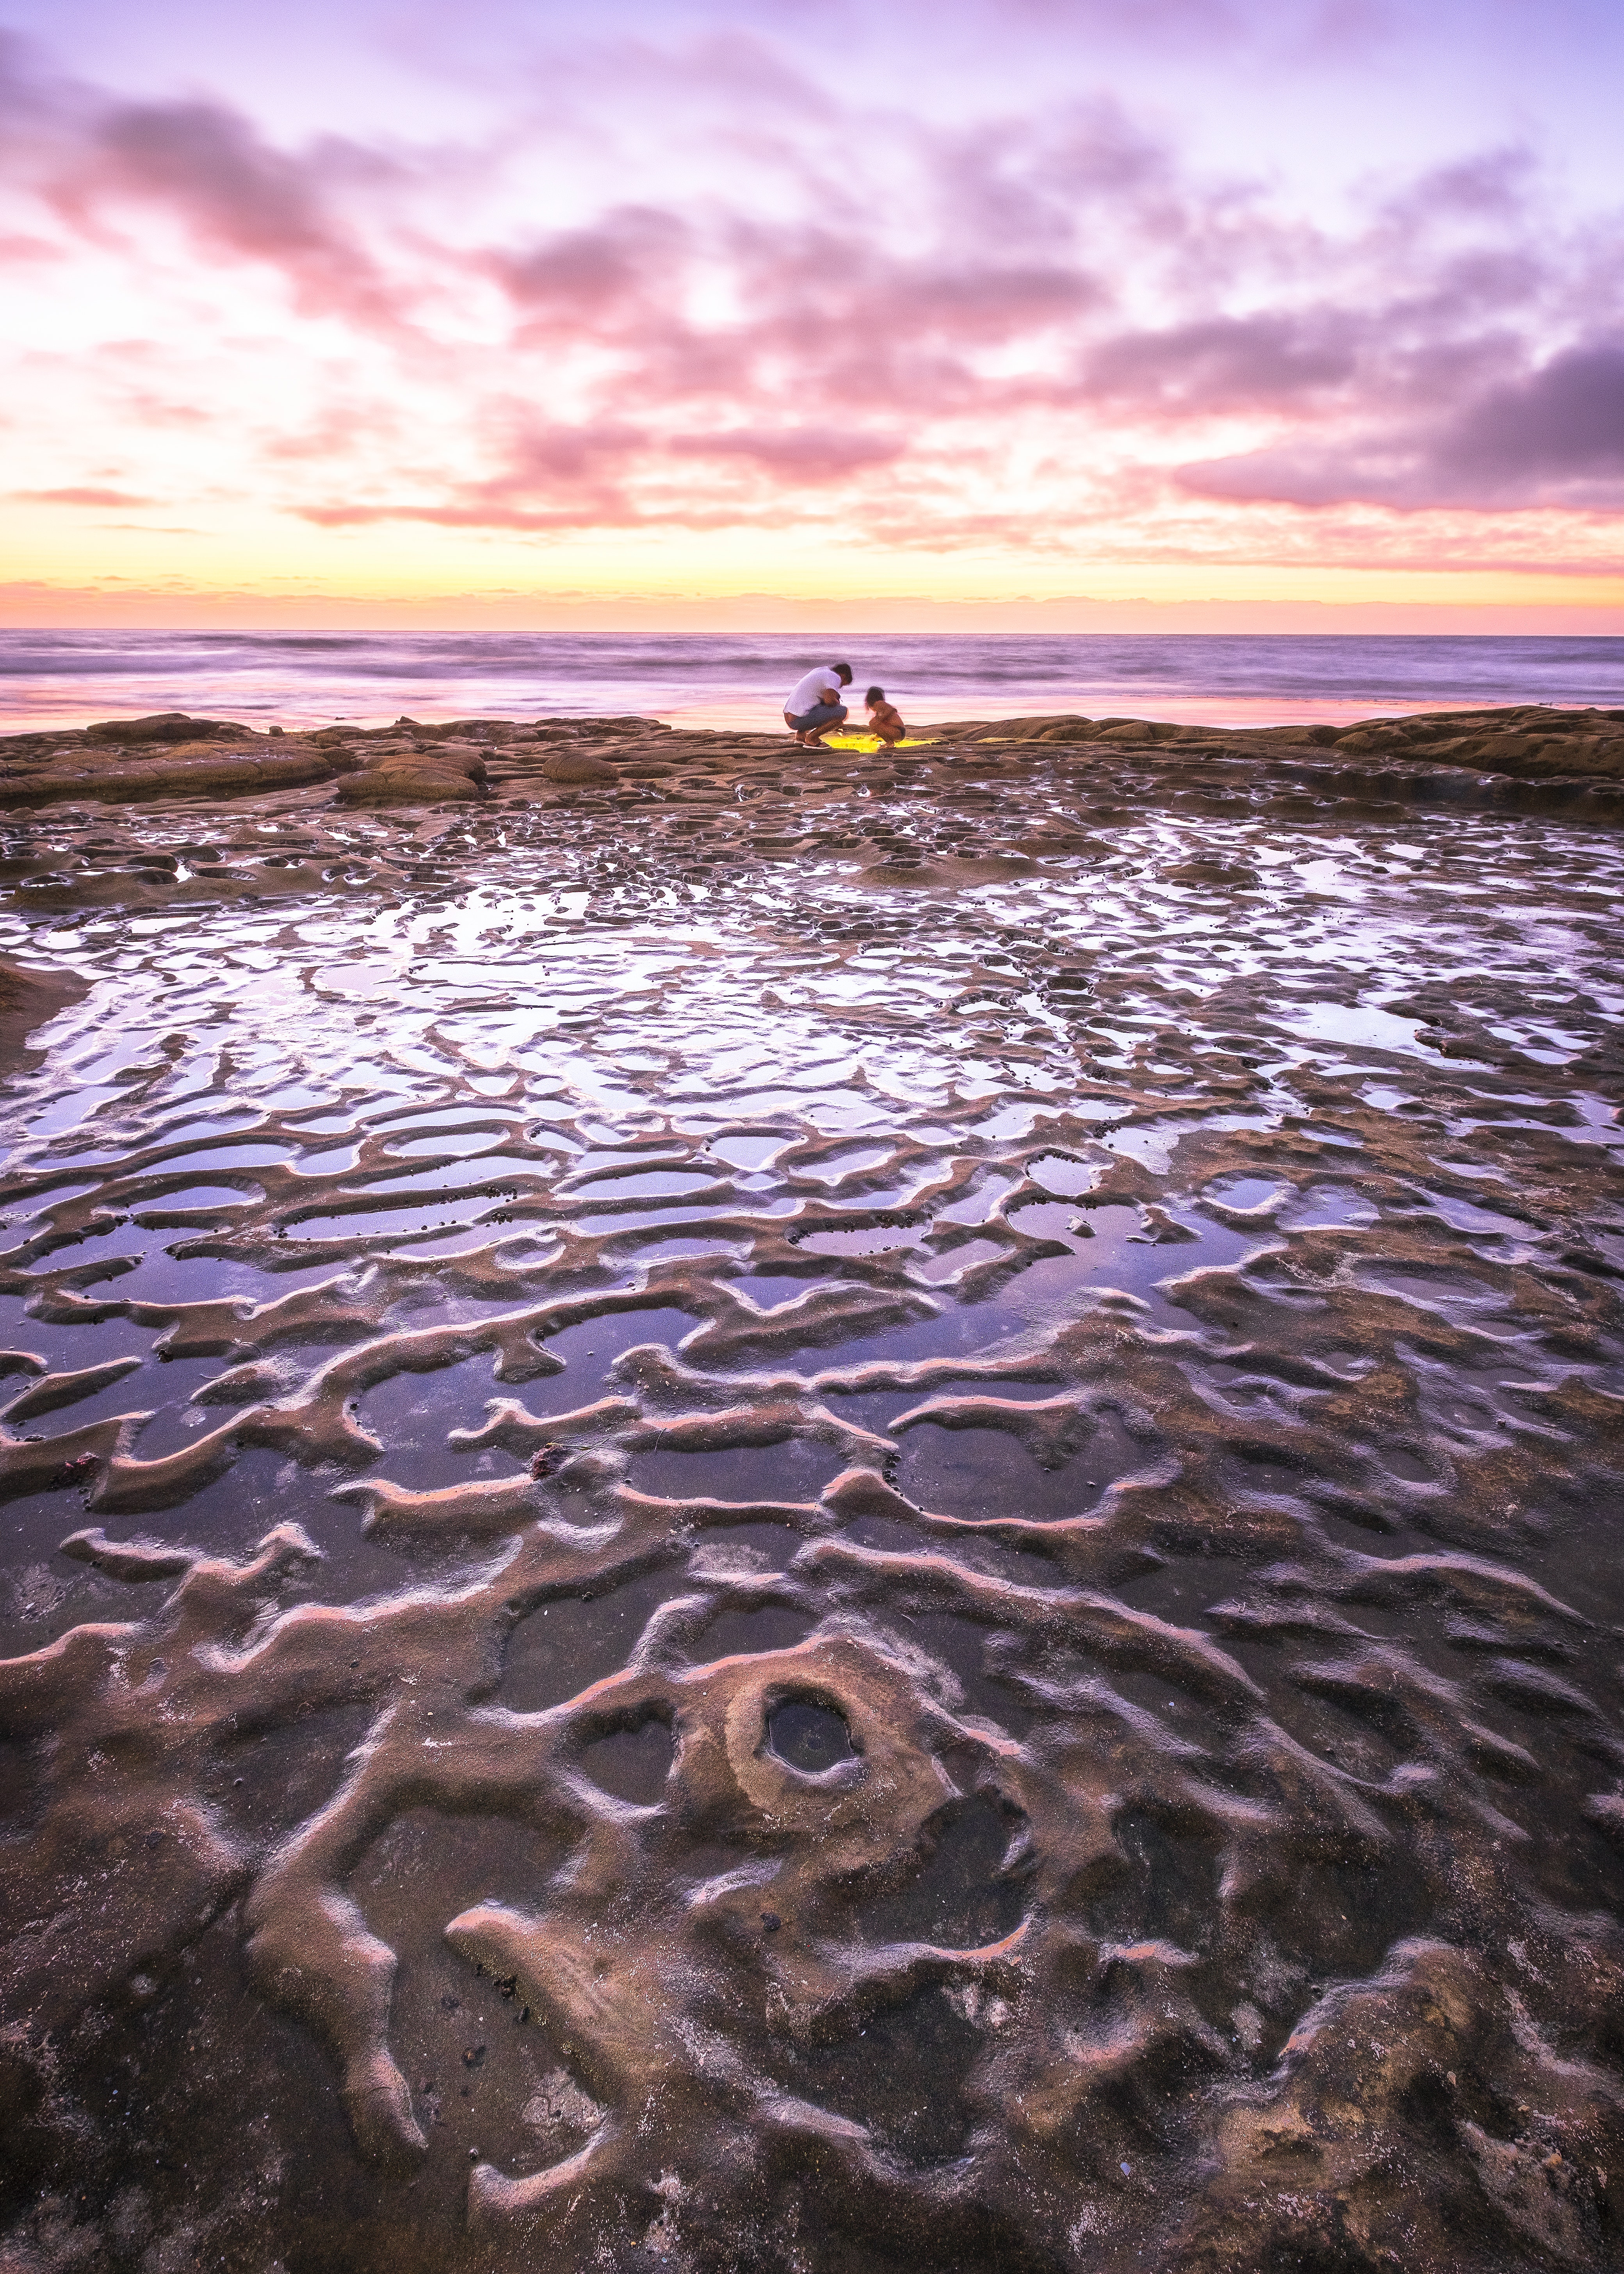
x,y
738,681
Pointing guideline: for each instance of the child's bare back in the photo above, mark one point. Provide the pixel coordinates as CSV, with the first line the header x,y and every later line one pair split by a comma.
x,y
884,719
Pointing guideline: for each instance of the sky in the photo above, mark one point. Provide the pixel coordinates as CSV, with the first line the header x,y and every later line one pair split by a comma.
x,y
1225,313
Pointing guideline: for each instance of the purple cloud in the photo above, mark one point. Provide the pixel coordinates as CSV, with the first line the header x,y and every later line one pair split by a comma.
x,y
1228,362
1553,437
1563,425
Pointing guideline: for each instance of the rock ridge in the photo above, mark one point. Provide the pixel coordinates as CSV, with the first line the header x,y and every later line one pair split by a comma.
x,y
1554,758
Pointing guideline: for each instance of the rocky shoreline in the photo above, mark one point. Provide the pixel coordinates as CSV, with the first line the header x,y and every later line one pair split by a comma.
x,y
147,812
1533,754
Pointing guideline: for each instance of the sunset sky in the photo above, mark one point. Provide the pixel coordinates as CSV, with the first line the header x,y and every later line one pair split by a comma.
x,y
1045,311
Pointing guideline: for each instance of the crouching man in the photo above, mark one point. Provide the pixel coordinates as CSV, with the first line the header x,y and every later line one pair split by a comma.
x,y
813,707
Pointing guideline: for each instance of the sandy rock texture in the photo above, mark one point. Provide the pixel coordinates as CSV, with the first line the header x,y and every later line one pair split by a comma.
x,y
209,808
782,1512
1539,759
173,807
27,999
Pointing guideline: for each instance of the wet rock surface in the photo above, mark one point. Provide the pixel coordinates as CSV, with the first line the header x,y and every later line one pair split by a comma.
x,y
815,1512
29,996
1535,759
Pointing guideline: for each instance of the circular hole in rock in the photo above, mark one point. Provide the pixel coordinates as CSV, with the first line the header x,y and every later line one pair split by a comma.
x,y
809,1735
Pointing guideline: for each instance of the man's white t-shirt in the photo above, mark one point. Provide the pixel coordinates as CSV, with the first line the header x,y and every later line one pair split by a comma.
x,y
809,692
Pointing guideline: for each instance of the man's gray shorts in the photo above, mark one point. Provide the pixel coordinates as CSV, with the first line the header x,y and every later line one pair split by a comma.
x,y
826,714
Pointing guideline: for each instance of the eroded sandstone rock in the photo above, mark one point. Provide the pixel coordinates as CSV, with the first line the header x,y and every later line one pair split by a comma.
x,y
577,766
164,726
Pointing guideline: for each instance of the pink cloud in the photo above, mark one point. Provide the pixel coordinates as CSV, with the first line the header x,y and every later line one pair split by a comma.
x,y
86,495
589,281
90,162
545,475
795,454
207,168
618,476
1055,293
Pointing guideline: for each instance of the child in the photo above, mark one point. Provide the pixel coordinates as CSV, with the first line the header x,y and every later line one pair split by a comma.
x,y
884,719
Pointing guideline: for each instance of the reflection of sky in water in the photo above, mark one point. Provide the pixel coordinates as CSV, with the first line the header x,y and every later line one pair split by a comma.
x,y
735,1007
1353,1023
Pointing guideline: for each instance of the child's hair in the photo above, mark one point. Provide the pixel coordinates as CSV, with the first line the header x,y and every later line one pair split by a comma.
x,y
874,695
